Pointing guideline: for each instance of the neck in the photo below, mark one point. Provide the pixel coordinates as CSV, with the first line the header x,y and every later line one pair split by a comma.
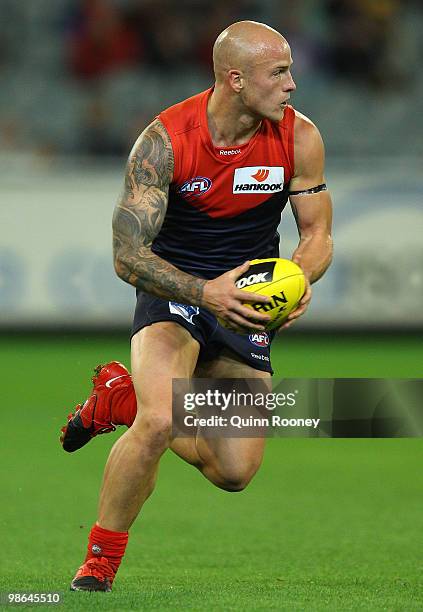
x,y
229,123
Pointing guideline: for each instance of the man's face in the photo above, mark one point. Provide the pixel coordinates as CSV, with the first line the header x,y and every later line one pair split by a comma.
x,y
268,83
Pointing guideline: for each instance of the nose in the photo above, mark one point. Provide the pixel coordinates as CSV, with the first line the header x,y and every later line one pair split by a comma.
x,y
290,84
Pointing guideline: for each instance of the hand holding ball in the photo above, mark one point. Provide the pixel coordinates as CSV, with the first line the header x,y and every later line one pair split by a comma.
x,y
280,279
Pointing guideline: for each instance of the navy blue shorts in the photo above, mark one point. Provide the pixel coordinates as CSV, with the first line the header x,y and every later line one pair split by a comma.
x,y
253,349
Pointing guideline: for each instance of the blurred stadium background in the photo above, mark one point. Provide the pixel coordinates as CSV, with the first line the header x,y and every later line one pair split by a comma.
x,y
79,81
326,524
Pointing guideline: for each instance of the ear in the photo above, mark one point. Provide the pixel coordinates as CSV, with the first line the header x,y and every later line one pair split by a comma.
x,y
236,80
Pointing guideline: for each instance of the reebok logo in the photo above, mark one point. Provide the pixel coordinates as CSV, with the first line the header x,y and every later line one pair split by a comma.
x,y
258,179
261,357
229,151
261,175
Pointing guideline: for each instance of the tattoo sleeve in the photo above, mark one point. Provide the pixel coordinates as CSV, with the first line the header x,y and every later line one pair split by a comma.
x,y
138,218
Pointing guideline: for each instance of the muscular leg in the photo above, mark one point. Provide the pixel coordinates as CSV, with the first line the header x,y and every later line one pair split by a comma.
x,y
229,463
159,352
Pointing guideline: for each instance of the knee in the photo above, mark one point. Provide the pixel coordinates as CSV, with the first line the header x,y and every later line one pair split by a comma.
x,y
235,480
233,486
154,429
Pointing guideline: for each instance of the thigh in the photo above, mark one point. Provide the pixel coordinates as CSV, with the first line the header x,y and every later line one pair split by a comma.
x,y
229,453
160,352
228,365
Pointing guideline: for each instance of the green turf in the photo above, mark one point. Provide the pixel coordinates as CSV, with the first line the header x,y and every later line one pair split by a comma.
x,y
325,525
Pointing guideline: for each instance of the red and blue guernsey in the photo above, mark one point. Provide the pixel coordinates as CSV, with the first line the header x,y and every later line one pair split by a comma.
x,y
225,203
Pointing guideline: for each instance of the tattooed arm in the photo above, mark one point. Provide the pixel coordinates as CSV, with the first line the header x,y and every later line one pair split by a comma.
x,y
137,220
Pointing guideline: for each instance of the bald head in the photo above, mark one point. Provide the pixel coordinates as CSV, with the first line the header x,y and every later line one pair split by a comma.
x,y
244,44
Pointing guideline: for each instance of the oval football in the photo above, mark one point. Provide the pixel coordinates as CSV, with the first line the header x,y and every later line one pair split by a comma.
x,y
280,279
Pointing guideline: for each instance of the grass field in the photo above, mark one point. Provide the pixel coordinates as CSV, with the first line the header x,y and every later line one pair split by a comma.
x,y
327,524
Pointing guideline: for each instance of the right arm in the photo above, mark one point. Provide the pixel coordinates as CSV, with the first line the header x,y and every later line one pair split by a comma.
x,y
137,220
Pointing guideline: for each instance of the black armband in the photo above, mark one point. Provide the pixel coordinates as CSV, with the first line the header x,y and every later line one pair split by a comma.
x,y
321,187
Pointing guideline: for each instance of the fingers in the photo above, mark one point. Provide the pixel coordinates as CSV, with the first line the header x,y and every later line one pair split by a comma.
x,y
297,313
302,305
251,298
301,308
246,319
239,316
242,325
245,296
250,314
307,294
284,326
238,271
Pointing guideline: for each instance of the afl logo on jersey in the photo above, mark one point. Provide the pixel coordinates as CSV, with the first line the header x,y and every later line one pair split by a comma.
x,y
196,186
261,340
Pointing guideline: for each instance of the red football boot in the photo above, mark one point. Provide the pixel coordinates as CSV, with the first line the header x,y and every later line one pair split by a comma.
x,y
112,402
96,574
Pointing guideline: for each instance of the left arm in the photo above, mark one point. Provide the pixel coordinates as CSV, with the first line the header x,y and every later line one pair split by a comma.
x,y
312,208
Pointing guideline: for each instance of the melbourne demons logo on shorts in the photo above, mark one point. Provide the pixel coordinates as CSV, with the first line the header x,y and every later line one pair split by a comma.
x,y
185,311
196,186
259,339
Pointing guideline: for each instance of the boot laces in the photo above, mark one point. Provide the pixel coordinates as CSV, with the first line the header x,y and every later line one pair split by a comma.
x,y
99,568
104,429
97,371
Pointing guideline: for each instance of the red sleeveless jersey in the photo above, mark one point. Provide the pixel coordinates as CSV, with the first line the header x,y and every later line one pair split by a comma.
x,y
225,203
